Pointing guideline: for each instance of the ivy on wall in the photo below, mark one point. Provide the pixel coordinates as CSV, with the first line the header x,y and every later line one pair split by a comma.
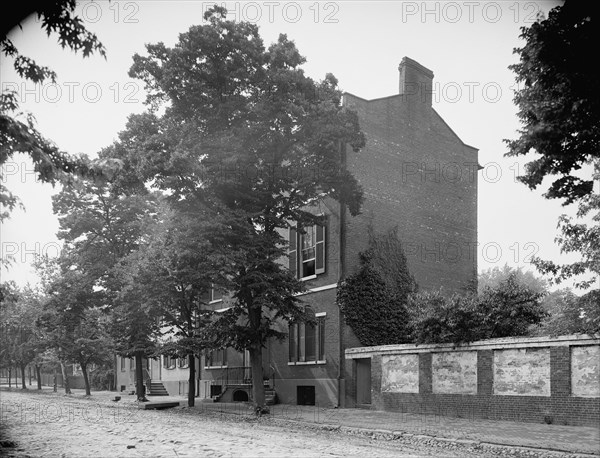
x,y
373,300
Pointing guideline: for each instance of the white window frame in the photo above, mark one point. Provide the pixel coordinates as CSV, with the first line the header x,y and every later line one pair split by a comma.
x,y
297,330
295,252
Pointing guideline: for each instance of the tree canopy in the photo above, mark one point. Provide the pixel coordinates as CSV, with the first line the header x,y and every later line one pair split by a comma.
x,y
559,100
240,127
18,133
559,108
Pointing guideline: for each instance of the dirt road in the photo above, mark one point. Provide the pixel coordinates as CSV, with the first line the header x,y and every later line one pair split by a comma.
x,y
42,425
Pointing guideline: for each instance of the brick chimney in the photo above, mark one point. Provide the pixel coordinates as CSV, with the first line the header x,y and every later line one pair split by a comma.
x,y
416,82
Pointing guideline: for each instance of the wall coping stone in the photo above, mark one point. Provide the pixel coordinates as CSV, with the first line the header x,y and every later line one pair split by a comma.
x,y
489,344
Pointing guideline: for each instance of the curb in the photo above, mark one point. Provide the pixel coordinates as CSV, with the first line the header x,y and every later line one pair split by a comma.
x,y
410,437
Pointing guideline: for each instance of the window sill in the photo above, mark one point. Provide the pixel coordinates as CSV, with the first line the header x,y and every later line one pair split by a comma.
x,y
307,363
215,367
311,277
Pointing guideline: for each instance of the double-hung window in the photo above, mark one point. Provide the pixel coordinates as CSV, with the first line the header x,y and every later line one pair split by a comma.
x,y
307,341
212,295
307,251
168,362
216,358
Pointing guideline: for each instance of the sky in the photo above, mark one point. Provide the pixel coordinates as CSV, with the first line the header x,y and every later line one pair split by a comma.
x,y
467,45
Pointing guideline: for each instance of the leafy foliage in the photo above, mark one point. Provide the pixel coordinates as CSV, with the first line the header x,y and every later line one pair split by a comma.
x,y
101,227
492,277
436,318
18,133
20,337
570,314
240,124
170,274
506,310
75,327
373,300
375,316
559,106
576,236
559,101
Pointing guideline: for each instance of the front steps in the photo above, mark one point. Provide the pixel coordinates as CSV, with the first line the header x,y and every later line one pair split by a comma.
x,y
270,396
156,388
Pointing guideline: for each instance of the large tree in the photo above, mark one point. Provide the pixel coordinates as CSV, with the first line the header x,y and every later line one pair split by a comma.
x,y
19,334
170,274
75,324
253,141
101,226
559,107
559,99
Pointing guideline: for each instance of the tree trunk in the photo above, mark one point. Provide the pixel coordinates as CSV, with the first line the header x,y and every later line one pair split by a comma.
x,y
9,378
115,372
23,385
29,369
140,389
16,377
86,380
258,387
192,380
38,376
63,369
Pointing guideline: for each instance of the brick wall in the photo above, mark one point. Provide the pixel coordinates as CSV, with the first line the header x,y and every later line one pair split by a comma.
x,y
418,175
561,406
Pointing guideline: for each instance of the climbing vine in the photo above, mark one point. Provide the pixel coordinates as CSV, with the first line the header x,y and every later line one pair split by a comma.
x,y
373,300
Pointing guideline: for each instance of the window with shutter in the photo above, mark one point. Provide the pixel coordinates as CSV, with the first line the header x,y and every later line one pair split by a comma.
x,y
307,251
293,251
307,342
216,358
319,249
293,342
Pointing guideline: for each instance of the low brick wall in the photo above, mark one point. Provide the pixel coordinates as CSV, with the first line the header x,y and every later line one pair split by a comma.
x,y
552,380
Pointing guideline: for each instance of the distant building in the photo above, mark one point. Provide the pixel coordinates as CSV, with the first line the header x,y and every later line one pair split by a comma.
x,y
418,175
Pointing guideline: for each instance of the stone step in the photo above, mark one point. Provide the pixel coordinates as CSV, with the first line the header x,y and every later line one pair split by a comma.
x,y
156,389
160,405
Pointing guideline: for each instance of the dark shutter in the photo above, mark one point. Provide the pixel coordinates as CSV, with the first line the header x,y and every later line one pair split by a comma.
x,y
321,338
311,342
320,250
293,252
293,342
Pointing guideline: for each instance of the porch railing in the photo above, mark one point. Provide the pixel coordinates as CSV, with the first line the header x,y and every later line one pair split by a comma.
x,y
233,375
236,375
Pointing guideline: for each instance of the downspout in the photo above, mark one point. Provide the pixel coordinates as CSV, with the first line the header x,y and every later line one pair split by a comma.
x,y
115,377
341,276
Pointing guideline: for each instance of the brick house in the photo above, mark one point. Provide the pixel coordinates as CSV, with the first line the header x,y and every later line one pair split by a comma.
x,y
416,174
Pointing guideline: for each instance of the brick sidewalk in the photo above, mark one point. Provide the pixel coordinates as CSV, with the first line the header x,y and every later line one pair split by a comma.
x,y
571,439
